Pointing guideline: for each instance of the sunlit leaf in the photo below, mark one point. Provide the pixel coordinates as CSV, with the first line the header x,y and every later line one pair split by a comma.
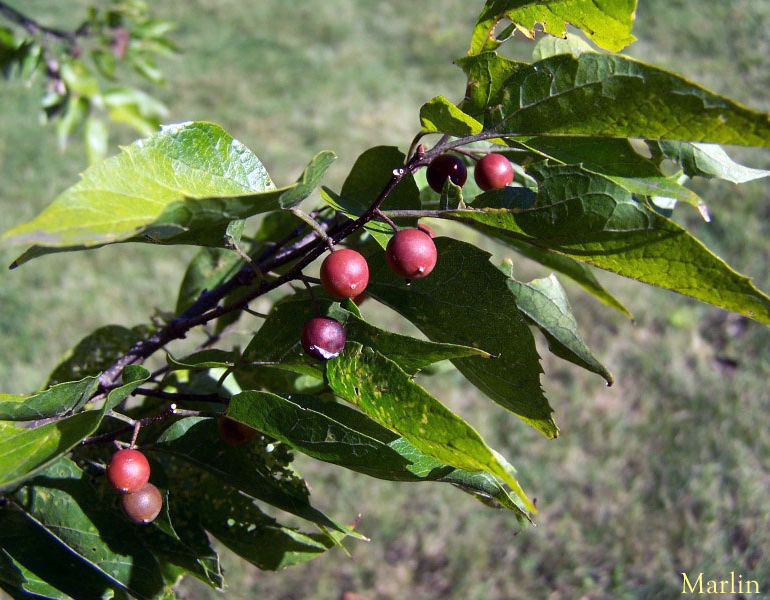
x,y
603,95
57,400
465,300
607,22
335,433
383,391
545,303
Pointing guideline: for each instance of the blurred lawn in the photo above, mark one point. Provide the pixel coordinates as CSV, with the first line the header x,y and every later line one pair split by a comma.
x,y
665,472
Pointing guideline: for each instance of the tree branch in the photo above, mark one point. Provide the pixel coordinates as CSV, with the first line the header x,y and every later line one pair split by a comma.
x,y
35,28
304,252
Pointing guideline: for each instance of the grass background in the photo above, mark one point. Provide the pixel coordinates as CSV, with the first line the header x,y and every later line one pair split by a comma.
x,y
667,471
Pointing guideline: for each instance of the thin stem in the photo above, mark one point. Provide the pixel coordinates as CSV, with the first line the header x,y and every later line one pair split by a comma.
x,y
34,27
313,299
180,398
315,226
112,436
248,260
302,253
382,216
469,153
414,146
254,312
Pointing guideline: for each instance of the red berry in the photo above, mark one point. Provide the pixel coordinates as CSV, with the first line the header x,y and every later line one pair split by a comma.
x,y
358,300
411,254
323,338
426,229
143,505
235,433
344,274
443,166
128,470
493,172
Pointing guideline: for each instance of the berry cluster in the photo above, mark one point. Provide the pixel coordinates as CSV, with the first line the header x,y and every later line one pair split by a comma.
x,y
129,473
492,172
410,253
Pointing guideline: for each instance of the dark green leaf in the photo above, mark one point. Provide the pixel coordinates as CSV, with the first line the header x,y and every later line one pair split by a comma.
x,y
594,220
133,377
26,451
573,269
309,180
209,268
205,359
340,435
603,95
451,196
55,401
236,521
180,543
384,392
278,340
62,502
95,353
47,568
256,470
611,156
545,303
465,300
369,175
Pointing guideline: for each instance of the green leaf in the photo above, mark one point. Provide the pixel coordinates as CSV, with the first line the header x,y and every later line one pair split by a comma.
x,y
133,376
369,175
309,180
592,219
182,185
603,95
662,187
577,271
95,353
465,300
76,111
611,156
209,269
278,340
180,542
607,22
451,196
384,392
254,469
79,79
25,451
62,503
205,359
340,435
708,160
145,105
545,302
96,136
440,115
55,401
552,46
236,521
41,565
